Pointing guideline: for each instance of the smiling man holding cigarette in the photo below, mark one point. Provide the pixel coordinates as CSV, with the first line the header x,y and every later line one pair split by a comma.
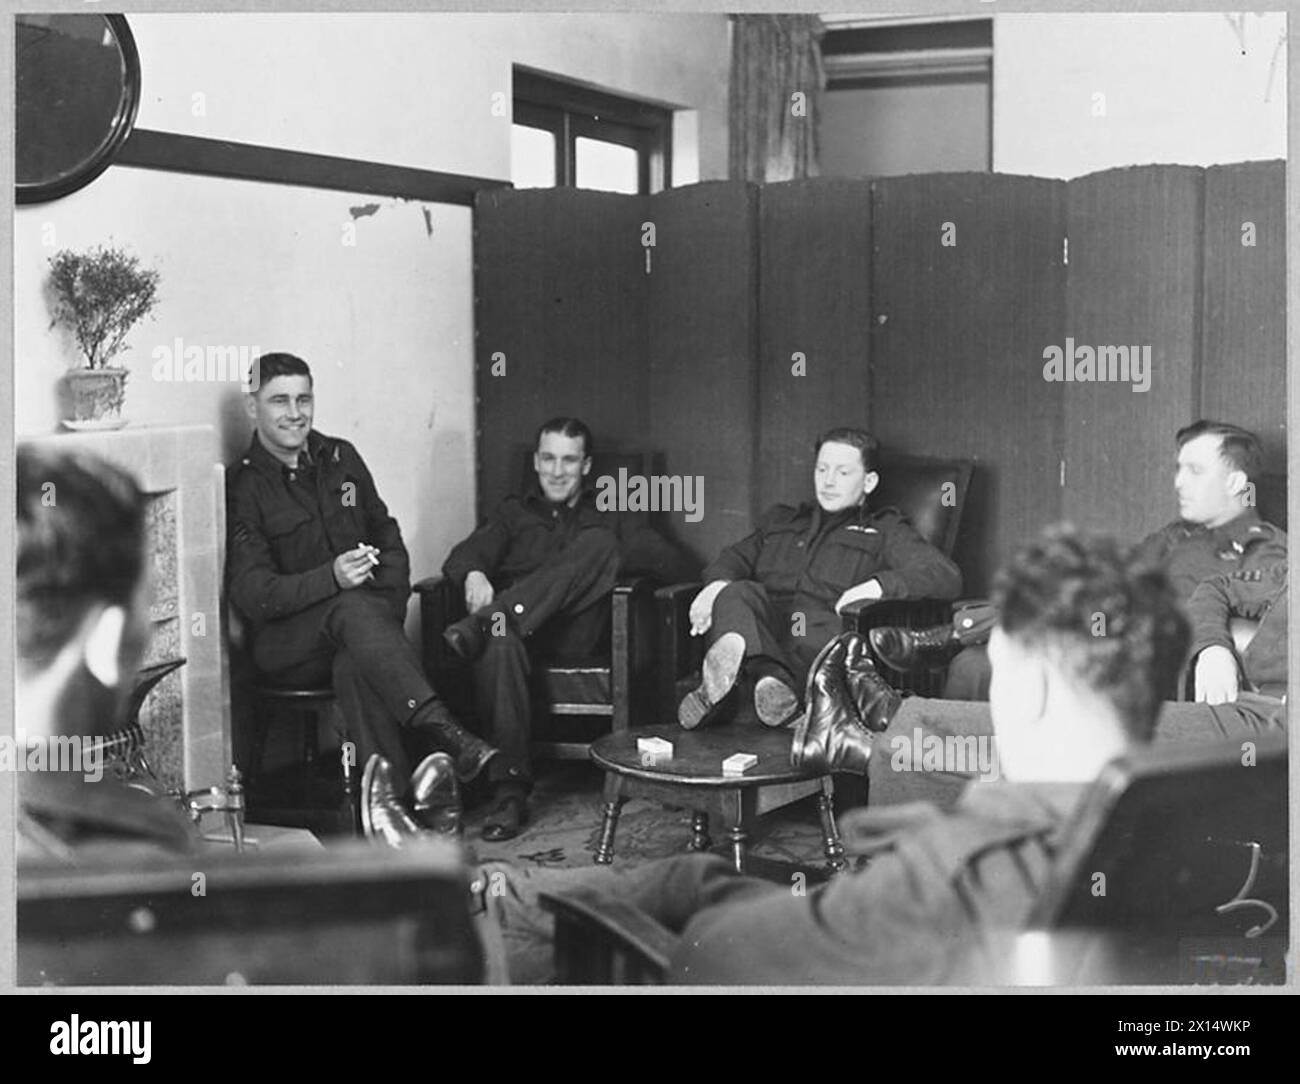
x,y
317,566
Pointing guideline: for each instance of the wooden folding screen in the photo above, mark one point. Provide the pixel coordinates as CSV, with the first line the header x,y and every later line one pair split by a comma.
x,y
1134,279
967,289
702,395
1243,308
814,314
560,323
936,347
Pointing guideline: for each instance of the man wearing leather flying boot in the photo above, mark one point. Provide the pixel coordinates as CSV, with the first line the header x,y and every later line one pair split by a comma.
x,y
317,566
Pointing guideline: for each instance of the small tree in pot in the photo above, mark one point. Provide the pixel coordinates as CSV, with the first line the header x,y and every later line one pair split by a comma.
x,y
100,295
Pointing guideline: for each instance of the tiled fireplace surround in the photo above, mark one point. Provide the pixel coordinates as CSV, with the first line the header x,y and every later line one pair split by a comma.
x,y
185,719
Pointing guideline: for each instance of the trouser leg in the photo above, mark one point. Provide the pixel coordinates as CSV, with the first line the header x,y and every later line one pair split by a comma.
x,y
580,576
671,891
503,703
745,607
370,725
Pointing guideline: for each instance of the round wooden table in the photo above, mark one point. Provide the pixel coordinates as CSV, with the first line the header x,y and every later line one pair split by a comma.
x,y
693,777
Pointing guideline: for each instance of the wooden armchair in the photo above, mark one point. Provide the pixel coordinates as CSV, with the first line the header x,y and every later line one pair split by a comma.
x,y
930,492
1193,847
615,685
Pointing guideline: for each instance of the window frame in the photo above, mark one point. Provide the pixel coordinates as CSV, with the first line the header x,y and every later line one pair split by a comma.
x,y
570,111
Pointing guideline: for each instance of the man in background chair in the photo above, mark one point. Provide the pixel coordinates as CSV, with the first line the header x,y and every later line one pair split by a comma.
x,y
537,577
318,566
1218,533
771,601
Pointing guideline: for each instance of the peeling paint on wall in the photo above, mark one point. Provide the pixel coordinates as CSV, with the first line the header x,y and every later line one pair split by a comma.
x,y
428,221
363,210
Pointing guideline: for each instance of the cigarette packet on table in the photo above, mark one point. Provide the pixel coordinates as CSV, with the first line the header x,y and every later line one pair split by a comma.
x,y
654,751
738,763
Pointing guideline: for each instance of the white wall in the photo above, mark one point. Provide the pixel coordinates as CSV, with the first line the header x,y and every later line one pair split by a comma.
x,y
387,323
1189,89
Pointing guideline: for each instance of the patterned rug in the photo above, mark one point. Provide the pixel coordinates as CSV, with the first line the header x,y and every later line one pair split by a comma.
x,y
565,827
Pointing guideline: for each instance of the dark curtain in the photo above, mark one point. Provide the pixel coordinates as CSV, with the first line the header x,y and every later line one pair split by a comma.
x,y
776,85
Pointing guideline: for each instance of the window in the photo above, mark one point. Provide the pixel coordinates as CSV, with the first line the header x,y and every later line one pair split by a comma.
x,y
568,135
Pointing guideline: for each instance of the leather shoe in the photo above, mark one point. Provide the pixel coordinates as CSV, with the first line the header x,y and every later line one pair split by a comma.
x,y
775,703
830,736
466,637
506,818
717,676
909,650
382,815
471,754
436,794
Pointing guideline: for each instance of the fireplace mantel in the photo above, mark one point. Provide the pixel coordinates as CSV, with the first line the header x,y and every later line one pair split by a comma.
x,y
185,719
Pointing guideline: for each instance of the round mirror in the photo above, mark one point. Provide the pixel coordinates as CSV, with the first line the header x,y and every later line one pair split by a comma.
x,y
78,89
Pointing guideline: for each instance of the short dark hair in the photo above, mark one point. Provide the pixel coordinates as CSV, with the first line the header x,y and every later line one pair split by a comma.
x,y
867,445
81,543
1239,447
1116,625
267,367
567,427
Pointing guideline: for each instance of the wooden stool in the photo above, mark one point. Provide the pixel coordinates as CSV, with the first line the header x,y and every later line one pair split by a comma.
x,y
304,705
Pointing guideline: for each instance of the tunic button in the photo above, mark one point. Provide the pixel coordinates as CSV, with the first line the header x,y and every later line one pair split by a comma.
x,y
967,623
519,607
410,703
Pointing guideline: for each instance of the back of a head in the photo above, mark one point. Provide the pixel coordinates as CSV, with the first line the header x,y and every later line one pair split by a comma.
x,y
1108,624
80,544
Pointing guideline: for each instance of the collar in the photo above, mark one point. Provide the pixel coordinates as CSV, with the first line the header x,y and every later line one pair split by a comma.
x,y
822,520
318,449
536,500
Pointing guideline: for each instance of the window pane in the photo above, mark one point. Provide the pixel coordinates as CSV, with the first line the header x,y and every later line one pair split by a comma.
x,y
532,157
610,167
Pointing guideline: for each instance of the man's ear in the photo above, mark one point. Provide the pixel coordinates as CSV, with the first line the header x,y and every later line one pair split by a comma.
x,y
102,645
1237,482
250,405
870,482
586,466
537,462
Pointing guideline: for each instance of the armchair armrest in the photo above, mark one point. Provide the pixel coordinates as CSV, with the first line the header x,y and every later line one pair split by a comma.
x,y
908,613
601,940
632,645
679,653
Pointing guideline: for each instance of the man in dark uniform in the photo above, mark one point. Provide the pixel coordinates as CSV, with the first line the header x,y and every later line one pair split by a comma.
x,y
318,567
771,601
1218,532
537,577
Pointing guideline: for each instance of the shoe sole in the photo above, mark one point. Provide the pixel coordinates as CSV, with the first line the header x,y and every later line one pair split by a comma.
x,y
775,702
721,668
510,834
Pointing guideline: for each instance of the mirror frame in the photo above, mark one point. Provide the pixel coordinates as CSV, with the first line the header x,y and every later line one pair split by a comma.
x,y
123,122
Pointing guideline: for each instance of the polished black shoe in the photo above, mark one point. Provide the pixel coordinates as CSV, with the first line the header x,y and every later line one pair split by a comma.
x,y
470,754
717,677
383,817
466,637
830,737
775,703
909,650
873,697
507,817
435,794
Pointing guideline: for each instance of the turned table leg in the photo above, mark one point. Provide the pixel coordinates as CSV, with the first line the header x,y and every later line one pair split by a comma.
x,y
830,833
700,840
609,820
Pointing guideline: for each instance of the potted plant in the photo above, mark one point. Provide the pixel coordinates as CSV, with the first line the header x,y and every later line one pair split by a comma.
x,y
99,295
